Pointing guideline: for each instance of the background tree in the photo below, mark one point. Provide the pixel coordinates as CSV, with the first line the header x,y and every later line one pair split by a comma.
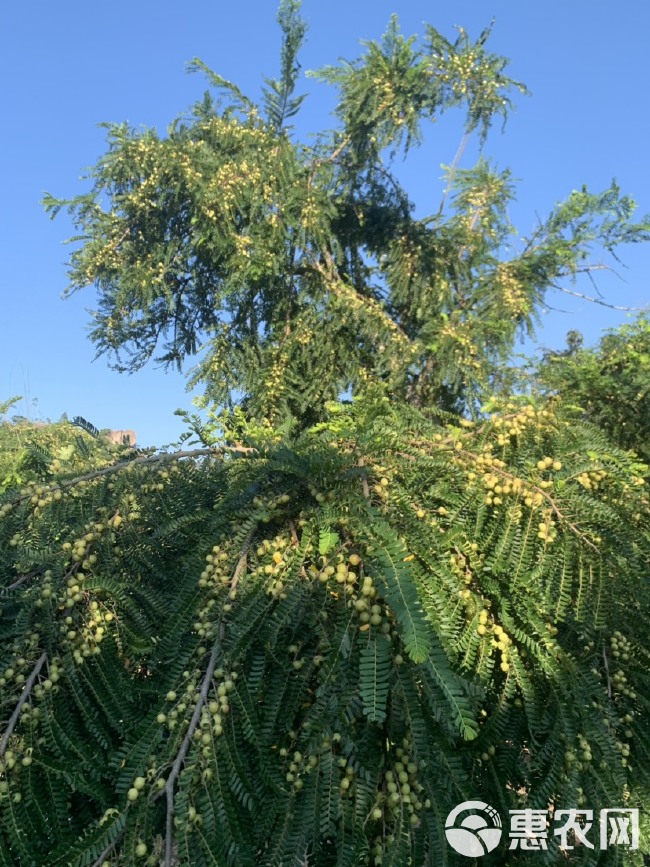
x,y
306,640
610,382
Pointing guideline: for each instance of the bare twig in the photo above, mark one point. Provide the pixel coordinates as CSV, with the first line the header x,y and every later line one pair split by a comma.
x,y
452,171
594,300
21,580
24,696
240,568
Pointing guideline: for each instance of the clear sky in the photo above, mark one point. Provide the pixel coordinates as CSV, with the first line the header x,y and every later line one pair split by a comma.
x,y
68,66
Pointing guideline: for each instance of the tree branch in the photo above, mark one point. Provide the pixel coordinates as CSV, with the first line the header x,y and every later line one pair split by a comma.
x,y
107,851
141,461
24,696
196,716
21,580
606,664
180,757
594,300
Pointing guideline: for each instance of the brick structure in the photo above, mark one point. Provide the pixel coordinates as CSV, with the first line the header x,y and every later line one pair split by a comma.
x,y
122,437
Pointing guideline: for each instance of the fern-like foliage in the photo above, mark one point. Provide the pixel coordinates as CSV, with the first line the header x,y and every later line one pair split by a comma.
x,y
314,648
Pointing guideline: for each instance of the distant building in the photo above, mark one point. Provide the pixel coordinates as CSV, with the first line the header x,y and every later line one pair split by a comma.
x,y
122,437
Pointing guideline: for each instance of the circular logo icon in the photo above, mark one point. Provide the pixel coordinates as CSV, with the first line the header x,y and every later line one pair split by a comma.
x,y
477,833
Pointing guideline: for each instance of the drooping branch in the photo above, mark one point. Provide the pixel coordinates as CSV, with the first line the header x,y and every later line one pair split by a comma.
x,y
142,461
180,756
196,716
24,696
450,444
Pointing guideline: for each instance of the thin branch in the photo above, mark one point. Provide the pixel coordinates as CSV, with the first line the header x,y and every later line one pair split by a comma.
x,y
594,300
146,459
24,696
240,568
196,716
180,757
609,682
336,153
107,851
452,170
21,580
364,480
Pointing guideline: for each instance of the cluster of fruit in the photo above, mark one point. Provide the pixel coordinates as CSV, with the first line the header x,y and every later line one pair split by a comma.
x,y
20,754
216,576
591,480
88,633
546,529
280,550
620,684
5,509
298,767
213,712
401,792
500,639
362,596
464,564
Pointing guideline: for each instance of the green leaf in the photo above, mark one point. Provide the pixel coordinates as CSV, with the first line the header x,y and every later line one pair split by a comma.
x,y
327,541
374,676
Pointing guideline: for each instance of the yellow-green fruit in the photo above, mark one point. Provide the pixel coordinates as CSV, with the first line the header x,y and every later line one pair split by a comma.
x,y
132,794
141,850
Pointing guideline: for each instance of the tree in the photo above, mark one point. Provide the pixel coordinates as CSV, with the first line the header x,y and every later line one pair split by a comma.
x,y
311,635
611,383
301,269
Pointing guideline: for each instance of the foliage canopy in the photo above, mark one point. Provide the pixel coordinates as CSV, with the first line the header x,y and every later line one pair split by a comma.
x,y
309,636
300,269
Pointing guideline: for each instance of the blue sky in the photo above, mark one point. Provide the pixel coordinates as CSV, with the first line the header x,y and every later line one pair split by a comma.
x,y
66,67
